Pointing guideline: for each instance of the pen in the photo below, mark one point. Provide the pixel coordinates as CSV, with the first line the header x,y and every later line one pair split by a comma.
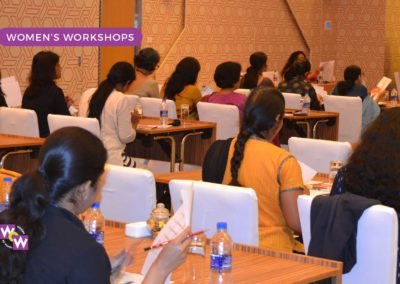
x,y
169,241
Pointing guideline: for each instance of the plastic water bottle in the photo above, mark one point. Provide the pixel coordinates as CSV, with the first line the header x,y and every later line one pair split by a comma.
x,y
221,255
164,113
320,78
306,104
275,79
94,223
393,97
5,193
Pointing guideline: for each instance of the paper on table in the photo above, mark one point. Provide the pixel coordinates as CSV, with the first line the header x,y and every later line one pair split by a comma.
x,y
174,227
11,89
327,69
384,83
307,172
152,126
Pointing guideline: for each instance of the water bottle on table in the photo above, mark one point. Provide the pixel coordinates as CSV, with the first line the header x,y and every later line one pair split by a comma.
x,y
94,223
221,246
306,104
5,193
164,113
393,98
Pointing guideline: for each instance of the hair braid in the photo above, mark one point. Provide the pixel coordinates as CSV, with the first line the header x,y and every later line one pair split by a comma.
x,y
238,154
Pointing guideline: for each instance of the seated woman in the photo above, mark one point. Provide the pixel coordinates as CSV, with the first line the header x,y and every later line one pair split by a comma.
x,y
352,87
111,108
45,204
181,86
43,95
227,76
296,82
369,171
3,102
253,161
296,56
146,62
254,75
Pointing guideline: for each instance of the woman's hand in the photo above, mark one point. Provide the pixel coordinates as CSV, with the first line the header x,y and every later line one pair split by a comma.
x,y
171,256
119,262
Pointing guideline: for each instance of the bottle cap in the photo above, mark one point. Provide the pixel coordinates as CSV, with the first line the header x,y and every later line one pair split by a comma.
x,y
222,226
96,205
7,179
164,99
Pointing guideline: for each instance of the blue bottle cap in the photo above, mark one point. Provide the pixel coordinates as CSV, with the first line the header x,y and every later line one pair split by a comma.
x,y
96,205
222,226
7,179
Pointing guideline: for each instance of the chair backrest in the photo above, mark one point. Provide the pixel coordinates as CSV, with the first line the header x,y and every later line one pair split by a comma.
x,y
84,102
129,194
377,234
18,121
151,107
245,92
318,153
293,101
132,100
59,121
350,116
214,203
226,117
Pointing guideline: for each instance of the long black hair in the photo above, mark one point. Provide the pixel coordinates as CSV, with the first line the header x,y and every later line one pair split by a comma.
x,y
70,157
120,73
351,75
185,73
370,169
258,61
260,111
299,68
291,60
43,72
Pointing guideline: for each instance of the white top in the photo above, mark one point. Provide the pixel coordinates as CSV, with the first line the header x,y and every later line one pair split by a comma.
x,y
116,127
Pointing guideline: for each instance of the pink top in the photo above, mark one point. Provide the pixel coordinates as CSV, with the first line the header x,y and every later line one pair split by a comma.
x,y
233,98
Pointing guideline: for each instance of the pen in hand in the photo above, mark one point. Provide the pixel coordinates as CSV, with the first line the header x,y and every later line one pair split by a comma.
x,y
167,242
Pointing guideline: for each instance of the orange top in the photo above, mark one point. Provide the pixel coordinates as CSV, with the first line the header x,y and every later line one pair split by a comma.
x,y
268,170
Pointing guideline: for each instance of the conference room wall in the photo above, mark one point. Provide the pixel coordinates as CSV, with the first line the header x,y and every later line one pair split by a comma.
x,y
16,61
392,38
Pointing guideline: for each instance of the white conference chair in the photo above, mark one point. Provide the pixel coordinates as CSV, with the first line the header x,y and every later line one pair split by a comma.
x,y
245,92
293,101
226,117
132,100
350,116
151,107
84,102
18,121
128,195
317,153
59,121
377,234
214,203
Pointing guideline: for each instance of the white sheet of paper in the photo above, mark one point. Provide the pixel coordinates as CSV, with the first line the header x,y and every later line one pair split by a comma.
x,y
307,172
327,70
11,89
384,83
179,221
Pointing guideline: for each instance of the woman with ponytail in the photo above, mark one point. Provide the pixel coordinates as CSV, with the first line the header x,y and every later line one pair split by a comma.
x,y
181,86
111,108
254,74
44,205
275,175
352,86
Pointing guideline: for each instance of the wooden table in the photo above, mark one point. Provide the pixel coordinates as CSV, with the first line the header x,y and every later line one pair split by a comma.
x,y
318,125
22,145
188,143
250,264
388,105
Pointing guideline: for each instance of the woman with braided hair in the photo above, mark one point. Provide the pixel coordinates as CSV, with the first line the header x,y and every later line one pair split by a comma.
x,y
275,175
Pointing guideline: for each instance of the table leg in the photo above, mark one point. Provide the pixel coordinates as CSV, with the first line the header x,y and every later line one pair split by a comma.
x,y
173,150
3,159
315,127
307,124
183,147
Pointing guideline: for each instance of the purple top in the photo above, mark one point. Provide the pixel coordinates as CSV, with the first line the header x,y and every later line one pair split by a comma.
x,y
233,98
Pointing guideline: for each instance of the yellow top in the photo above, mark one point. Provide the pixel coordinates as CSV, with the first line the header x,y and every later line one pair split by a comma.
x,y
268,170
190,95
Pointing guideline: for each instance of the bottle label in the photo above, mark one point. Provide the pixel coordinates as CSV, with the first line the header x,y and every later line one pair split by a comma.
x,y
306,105
221,263
98,236
163,113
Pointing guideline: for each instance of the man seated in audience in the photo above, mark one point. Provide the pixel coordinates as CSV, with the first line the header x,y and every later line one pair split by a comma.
x,y
227,76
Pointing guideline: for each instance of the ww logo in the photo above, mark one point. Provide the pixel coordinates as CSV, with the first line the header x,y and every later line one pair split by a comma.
x,y
13,237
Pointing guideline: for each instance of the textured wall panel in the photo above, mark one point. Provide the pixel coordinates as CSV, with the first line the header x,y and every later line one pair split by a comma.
x,y
16,61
